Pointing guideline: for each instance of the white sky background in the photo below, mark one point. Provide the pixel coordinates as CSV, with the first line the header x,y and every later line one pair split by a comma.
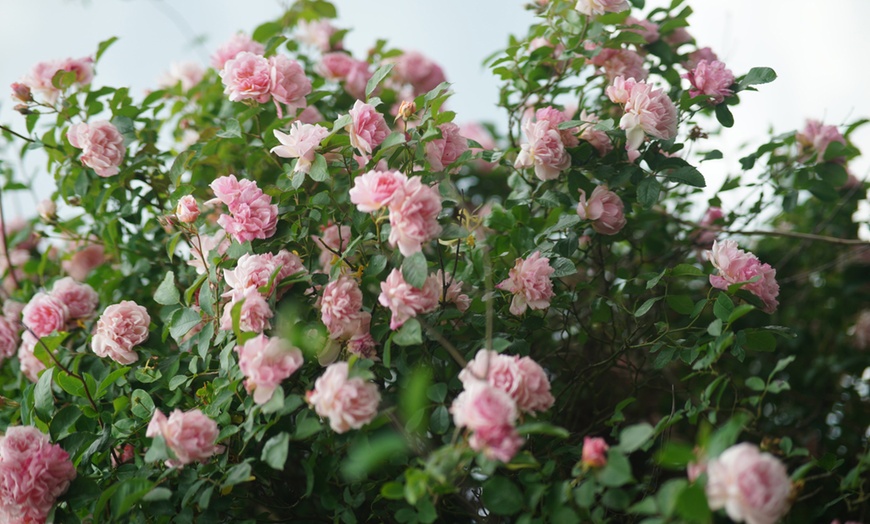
x,y
816,48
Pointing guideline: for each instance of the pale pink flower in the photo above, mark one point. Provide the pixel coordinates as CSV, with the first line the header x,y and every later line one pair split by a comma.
x,y
289,85
544,150
500,442
348,403
45,314
120,328
248,76
750,485
736,265
238,43
406,301
341,308
33,474
290,264
310,115
21,92
599,139
862,330
317,34
253,214
302,142
529,281
648,30
335,66
594,452
703,237
256,270
482,406
202,245
423,74
815,138
125,454
695,57
101,144
453,293
648,111
599,7
363,345
376,189
188,74
414,216
712,79
12,311
334,239
84,260
604,209
555,117
521,378
31,366
80,299
441,152
367,128
254,314
9,339
187,210
191,435
619,62
357,79
266,363
39,79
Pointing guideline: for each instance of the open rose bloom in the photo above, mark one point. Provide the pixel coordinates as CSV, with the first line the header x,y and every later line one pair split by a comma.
x,y
190,435
529,281
736,265
101,144
348,402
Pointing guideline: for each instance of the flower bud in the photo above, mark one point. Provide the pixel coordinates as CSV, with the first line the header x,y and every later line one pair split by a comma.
x,y
406,110
47,210
187,211
22,92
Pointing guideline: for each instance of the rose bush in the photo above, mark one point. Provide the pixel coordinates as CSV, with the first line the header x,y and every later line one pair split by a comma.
x,y
296,287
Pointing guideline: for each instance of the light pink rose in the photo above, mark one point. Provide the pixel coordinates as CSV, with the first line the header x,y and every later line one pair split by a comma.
x,y
363,345
736,265
529,281
31,366
712,79
33,474
39,78
302,142
334,239
423,74
317,34
335,66
256,270
695,57
862,330
341,308
12,311
521,378
751,486
348,403
376,189
188,74
406,301
599,139
648,111
453,292
357,79
544,150
618,62
289,84
187,210
248,76
604,209
599,7
252,213
84,260
189,434
482,406
101,144
254,314
648,30
497,442
125,454
236,44
9,339
367,128
202,245
704,238
441,152
266,363
45,314
594,452
80,299
414,217
815,138
120,328
555,117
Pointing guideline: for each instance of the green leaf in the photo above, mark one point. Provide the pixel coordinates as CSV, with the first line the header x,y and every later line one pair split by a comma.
x,y
103,46
61,425
183,321
687,270
682,304
368,455
393,490
757,76
688,175
562,267
415,270
43,399
141,404
409,334
648,192
634,437
543,428
692,504
167,294
617,472
439,421
319,171
740,311
501,496
724,116
723,307
376,78
646,306
107,382
782,364
238,474
231,129
755,384
275,451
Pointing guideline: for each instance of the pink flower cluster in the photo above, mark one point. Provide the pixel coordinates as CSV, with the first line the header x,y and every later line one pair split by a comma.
x,y
39,78
491,414
441,152
648,111
599,7
266,363
599,139
102,146
189,434
529,281
736,265
712,79
545,150
302,143
604,209
521,378
750,485
251,274
33,474
341,67
342,312
67,302
594,452
348,402
367,128
250,76
121,327
815,138
406,301
421,73
238,43
252,213
618,62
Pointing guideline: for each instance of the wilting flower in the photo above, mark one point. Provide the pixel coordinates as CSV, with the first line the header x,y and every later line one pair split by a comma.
x,y
529,281
348,402
736,265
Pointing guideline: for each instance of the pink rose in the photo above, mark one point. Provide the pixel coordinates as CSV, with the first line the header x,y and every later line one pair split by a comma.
x,y
677,37
45,314
648,30
12,311
478,133
406,301
187,210
121,327
752,486
341,308
604,209
188,74
599,7
453,294
82,67
619,62
815,138
423,74
80,299
289,84
555,117
189,434
544,150
481,406
376,189
335,66
367,128
500,442
521,378
84,260
254,314
736,265
363,345
414,217
704,237
9,339
334,240
33,474
647,111
256,270
310,115
599,139
594,452
39,79
31,366
236,44
318,34
302,142
711,79
252,213
248,76
101,144
529,281
441,152
348,403
695,57
265,363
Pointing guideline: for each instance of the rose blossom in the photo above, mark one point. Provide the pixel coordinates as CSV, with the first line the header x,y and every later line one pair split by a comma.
x,y
265,363
736,265
555,117
712,79
248,76
406,301
187,210
530,283
544,150
817,137
599,139
334,239
647,110
9,339
45,314
302,142
367,128
256,270
289,85
30,365
695,57
39,79
101,144
441,152
594,452
318,34
80,299
33,474
341,308
12,311
121,327
599,7
202,245
346,402
648,30
677,37
188,74
191,435
619,62
254,314
236,44
375,189
414,216
500,442
423,74
335,66
84,260
453,293
252,213
521,378
362,344
604,208
752,486
704,237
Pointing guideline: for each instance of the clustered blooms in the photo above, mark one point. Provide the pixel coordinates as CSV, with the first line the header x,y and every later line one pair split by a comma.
x,y
120,328
238,43
39,79
406,301
421,73
647,111
266,363
342,312
102,146
815,138
367,128
594,452
604,209
529,281
302,143
545,149
520,377
348,402
251,76
618,62
736,265
352,73
33,474
491,414
599,7
190,435
712,79
441,152
252,213
751,486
